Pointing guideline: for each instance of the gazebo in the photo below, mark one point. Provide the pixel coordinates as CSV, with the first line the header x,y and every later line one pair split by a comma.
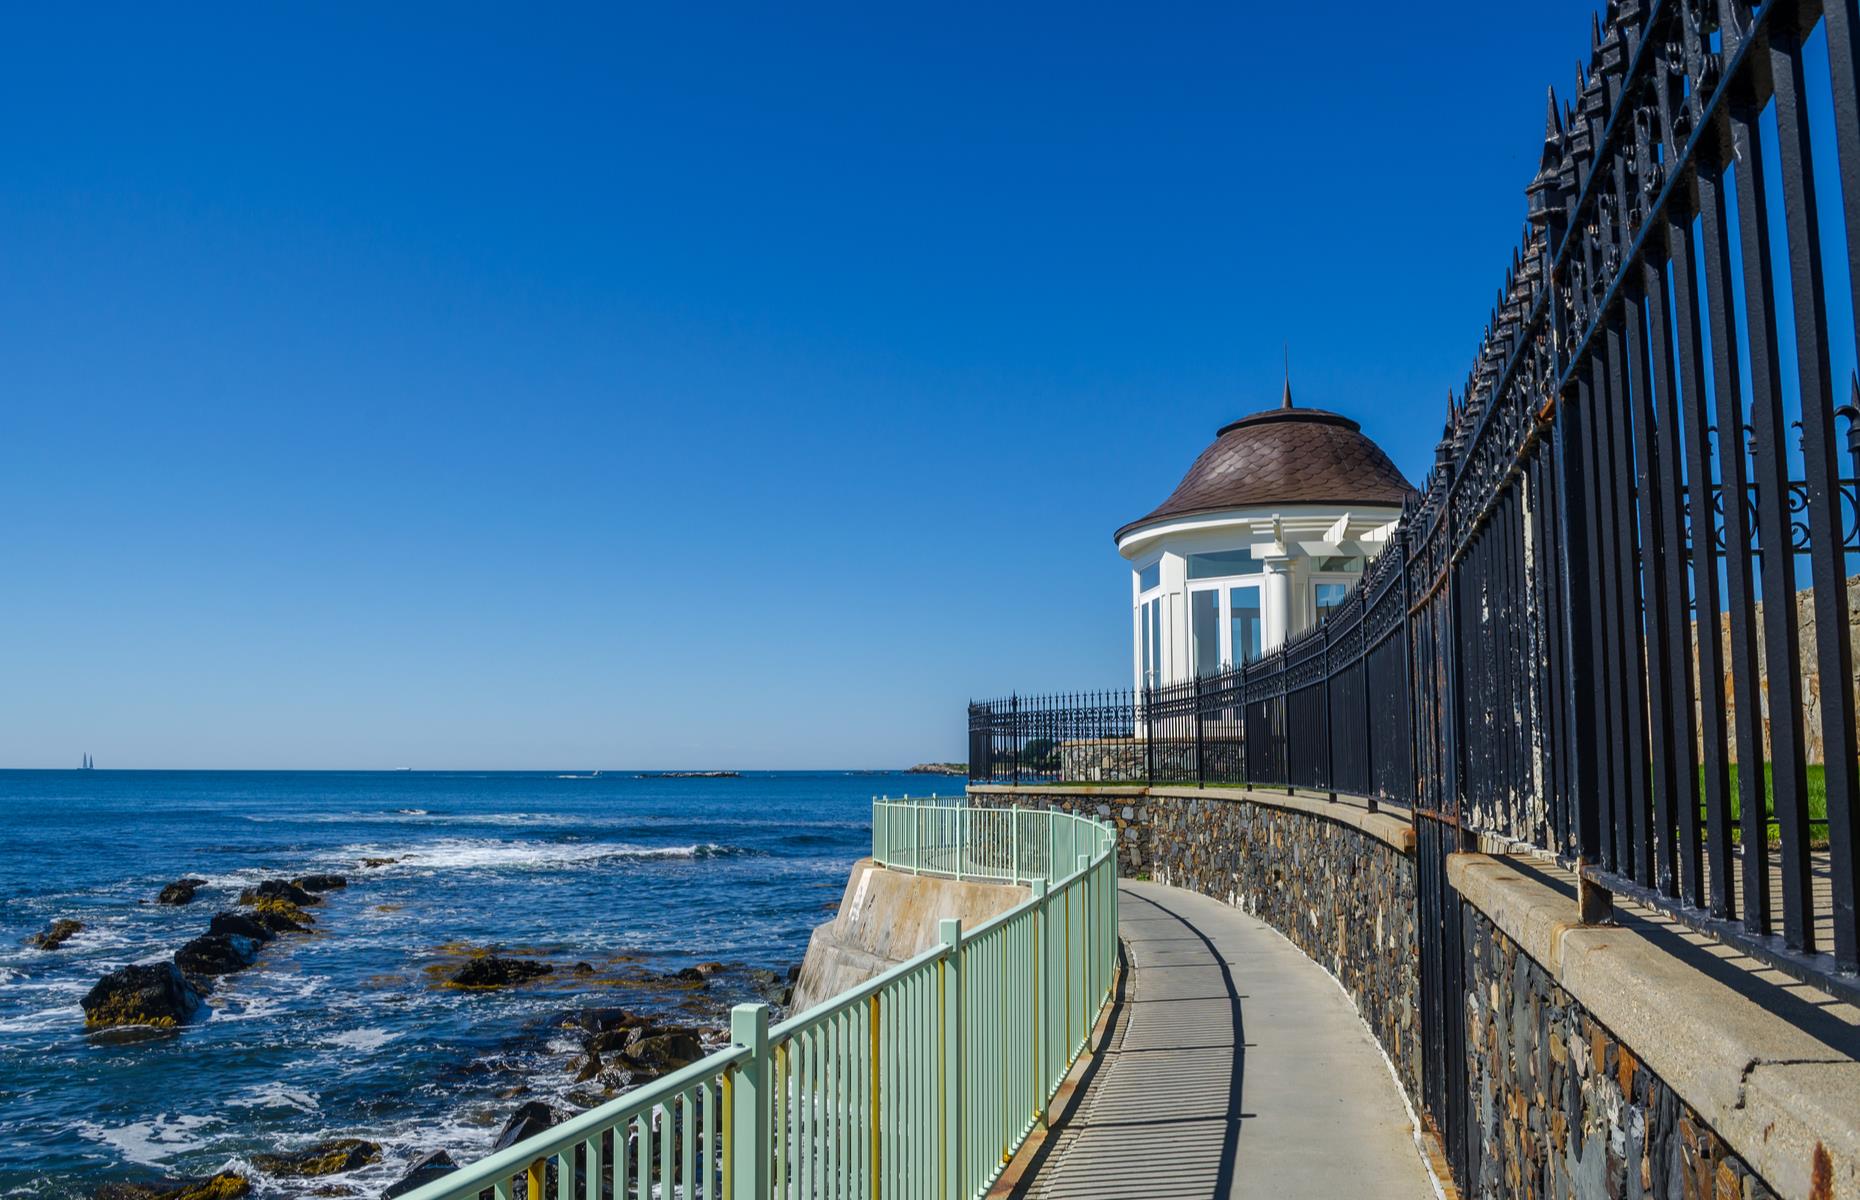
x,y
1269,529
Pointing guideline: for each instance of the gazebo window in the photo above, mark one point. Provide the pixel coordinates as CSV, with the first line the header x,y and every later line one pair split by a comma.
x,y
1329,596
1219,563
1225,625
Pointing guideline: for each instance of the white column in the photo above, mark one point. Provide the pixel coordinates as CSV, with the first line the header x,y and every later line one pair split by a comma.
x,y
1275,605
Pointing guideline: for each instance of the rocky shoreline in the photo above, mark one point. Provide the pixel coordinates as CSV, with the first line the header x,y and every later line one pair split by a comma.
x,y
615,1049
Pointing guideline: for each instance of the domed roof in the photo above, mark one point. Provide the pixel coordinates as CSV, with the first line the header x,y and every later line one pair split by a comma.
x,y
1285,455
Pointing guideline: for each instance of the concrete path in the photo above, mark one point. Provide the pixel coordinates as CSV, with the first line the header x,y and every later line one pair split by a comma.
x,y
1236,1068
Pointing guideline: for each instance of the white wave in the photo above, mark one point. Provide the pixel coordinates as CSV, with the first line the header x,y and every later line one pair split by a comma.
x,y
46,1020
362,1039
274,1095
488,854
151,1142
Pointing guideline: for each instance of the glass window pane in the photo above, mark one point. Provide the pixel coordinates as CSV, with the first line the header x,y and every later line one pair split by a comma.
x,y
1244,634
1150,621
1149,577
1329,596
1204,609
1221,562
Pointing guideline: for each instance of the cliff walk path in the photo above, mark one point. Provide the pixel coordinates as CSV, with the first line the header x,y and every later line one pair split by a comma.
x,y
1235,1067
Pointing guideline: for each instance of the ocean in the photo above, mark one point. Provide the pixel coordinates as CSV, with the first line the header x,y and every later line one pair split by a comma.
x,y
343,1032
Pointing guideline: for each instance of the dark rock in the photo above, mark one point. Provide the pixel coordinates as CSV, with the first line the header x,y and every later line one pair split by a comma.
x,y
181,891
585,1066
528,1121
279,889
492,971
324,1158
217,954
223,1186
691,975
281,916
320,883
425,1169
372,863
663,1049
707,969
236,924
582,968
54,935
157,994
601,1020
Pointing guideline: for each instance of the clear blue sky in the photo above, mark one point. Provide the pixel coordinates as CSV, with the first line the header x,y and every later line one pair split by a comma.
x,y
505,386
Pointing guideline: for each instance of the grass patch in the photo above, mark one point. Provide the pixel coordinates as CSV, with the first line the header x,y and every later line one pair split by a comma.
x,y
1817,804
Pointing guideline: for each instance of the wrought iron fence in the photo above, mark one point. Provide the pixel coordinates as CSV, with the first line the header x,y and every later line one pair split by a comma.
x,y
921,1082
1618,624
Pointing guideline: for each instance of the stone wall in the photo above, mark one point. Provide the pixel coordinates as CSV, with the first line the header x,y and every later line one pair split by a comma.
x,y
1561,1108
1808,678
1127,808
1343,896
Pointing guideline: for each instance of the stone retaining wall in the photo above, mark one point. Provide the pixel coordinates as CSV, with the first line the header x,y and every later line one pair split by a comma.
x,y
1559,1105
1562,1108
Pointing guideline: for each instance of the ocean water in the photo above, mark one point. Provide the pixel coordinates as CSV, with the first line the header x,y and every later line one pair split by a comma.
x,y
343,1033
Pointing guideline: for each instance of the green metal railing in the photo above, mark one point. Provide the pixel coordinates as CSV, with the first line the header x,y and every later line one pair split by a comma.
x,y
920,1083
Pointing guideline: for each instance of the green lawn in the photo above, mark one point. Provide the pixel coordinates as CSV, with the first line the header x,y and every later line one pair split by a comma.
x,y
1817,804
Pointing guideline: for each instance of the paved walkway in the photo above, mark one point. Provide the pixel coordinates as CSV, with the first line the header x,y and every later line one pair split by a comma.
x,y
1236,1068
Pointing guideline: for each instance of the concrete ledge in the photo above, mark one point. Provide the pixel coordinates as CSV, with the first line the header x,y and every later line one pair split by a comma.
x,y
1785,1098
1059,789
1388,828
1395,831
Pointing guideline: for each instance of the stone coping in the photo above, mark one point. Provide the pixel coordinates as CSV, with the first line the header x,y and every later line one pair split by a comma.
x,y
1053,789
1772,1066
1389,828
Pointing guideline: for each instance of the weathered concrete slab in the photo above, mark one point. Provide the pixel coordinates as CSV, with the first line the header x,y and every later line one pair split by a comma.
x,y
887,917
1238,1068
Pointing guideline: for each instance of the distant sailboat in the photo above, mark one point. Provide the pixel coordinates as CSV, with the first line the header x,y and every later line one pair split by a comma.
x,y
88,765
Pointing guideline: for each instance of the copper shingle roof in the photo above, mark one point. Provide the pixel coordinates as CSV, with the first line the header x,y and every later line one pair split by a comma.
x,y
1285,456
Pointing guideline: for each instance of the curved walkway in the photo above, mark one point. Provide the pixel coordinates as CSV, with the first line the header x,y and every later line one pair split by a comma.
x,y
1236,1068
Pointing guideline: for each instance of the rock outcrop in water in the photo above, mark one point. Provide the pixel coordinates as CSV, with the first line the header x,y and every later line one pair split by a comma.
x,y
528,1121
279,889
324,1158
167,994
217,954
53,936
181,891
155,994
238,924
224,1186
493,971
425,1169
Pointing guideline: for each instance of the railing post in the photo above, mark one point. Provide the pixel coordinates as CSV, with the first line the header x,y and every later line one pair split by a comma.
x,y
949,1065
1040,1000
1014,841
917,849
1082,887
963,830
746,1143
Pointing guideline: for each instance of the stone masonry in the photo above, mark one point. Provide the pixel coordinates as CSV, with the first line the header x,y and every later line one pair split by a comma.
x,y
1561,1109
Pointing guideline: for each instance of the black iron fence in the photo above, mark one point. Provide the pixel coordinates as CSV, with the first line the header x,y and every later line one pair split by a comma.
x,y
1619,623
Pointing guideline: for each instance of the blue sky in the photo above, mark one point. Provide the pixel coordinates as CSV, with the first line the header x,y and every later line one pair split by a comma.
x,y
493,386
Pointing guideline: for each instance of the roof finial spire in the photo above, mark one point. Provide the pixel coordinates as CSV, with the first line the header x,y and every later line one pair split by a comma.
x,y
1287,401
